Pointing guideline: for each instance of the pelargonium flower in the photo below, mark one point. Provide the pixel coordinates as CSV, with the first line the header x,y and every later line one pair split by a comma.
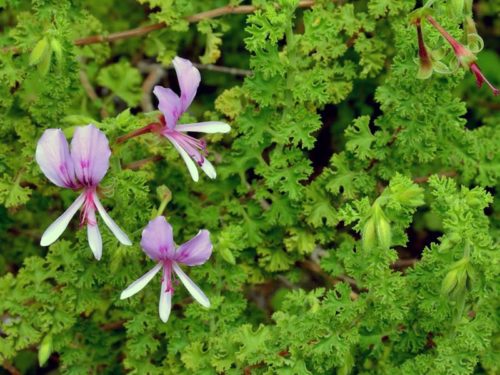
x,y
173,106
158,243
81,169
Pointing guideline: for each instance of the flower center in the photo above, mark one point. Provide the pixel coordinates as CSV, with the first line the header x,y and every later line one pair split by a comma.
x,y
167,276
87,215
196,148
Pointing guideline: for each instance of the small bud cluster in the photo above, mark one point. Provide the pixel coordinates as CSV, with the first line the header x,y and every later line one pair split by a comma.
x,y
465,54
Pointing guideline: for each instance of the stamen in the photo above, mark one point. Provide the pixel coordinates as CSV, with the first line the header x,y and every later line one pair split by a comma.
x,y
167,275
190,144
87,215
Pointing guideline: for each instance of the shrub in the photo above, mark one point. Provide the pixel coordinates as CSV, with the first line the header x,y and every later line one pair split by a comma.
x,y
354,216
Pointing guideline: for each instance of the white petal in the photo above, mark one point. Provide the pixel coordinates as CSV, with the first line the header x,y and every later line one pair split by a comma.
x,y
141,282
187,159
165,305
195,291
209,169
113,227
54,231
95,240
205,127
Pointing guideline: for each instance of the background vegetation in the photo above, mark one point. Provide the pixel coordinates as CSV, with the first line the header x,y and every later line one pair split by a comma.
x,y
355,215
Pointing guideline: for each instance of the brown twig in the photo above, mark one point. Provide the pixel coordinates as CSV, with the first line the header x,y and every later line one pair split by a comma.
x,y
315,268
89,89
154,76
424,179
113,325
10,368
139,163
404,263
150,128
138,31
224,69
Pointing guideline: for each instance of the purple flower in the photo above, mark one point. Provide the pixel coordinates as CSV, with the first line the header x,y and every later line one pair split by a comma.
x,y
82,168
173,106
158,243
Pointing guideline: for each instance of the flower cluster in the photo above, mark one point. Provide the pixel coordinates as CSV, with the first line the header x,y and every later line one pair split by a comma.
x,y
82,166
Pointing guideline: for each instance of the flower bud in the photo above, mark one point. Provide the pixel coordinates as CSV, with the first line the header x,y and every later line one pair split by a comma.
x,y
40,50
455,281
44,65
425,62
227,255
449,282
57,49
383,228
45,350
369,236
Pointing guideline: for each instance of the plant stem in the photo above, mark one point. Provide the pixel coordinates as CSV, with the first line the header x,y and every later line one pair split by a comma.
x,y
144,130
138,31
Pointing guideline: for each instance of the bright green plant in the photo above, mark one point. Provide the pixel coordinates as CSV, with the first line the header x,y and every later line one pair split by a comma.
x,y
354,216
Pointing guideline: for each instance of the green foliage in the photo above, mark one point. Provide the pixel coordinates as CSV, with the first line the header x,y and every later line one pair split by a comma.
x,y
355,215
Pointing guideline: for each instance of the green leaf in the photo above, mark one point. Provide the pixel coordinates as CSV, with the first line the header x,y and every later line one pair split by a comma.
x,y
123,80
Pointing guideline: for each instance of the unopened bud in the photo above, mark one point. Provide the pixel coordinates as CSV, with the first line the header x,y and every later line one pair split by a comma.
x,y
57,49
45,350
449,282
382,227
369,236
456,279
40,50
164,193
425,62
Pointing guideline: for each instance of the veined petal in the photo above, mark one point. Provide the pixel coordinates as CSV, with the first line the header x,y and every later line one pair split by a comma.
x,y
113,227
187,159
90,152
141,282
53,157
95,240
196,251
169,104
54,231
157,239
208,168
205,127
192,288
189,80
165,305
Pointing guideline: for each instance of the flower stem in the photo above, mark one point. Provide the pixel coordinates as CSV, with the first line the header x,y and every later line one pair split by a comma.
x,y
167,196
150,128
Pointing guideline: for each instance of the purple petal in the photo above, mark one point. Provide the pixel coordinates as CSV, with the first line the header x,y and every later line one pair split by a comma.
x,y
90,152
169,104
196,251
189,80
157,239
52,154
